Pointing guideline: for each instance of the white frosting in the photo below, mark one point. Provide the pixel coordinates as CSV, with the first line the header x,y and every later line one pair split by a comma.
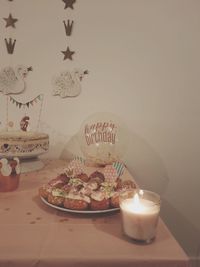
x,y
98,196
76,182
78,197
22,135
58,193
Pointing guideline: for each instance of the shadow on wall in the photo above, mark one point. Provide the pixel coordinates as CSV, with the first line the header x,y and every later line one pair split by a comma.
x,y
71,149
146,165
57,140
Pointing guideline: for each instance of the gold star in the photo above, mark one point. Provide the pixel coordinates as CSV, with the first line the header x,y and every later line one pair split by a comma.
x,y
69,3
10,21
68,54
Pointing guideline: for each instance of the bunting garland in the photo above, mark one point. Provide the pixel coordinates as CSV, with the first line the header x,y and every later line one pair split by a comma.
x,y
27,104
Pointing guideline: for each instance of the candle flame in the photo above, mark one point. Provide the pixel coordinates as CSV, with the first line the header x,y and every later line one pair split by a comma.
x,y
137,206
136,199
141,192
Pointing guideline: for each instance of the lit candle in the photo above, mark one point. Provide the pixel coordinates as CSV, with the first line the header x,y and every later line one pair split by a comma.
x,y
140,215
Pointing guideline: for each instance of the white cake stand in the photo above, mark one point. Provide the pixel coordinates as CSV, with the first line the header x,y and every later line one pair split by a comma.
x,y
28,163
31,164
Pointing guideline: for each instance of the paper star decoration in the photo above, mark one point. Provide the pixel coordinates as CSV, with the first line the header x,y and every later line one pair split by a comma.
x,y
68,54
69,3
10,21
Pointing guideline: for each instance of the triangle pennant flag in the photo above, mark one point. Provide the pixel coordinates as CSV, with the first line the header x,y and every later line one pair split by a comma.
x,y
119,167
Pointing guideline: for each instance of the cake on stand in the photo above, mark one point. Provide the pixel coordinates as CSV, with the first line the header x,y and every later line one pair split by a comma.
x,y
27,146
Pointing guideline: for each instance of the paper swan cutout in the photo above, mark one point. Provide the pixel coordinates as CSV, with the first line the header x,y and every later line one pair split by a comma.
x,y
12,80
68,84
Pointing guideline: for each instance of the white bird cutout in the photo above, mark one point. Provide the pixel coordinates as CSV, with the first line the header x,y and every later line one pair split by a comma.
x,y
12,80
5,167
67,84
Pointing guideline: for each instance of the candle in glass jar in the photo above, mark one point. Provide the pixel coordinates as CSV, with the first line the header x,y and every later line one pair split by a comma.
x,y
140,217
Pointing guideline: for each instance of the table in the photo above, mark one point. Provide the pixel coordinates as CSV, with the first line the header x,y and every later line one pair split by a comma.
x,y
34,234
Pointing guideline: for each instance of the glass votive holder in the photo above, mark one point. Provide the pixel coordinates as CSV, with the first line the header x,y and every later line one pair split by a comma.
x,y
9,174
140,212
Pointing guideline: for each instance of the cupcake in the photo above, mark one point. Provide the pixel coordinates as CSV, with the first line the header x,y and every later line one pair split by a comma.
x,y
59,181
98,176
45,190
114,200
83,176
76,201
56,197
99,201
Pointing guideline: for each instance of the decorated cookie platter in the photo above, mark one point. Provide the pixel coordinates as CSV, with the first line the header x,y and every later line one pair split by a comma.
x,y
83,189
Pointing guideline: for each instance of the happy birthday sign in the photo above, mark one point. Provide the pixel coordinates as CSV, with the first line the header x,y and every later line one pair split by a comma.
x,y
100,132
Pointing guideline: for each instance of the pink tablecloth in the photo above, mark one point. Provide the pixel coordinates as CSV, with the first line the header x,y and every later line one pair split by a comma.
x,y
34,234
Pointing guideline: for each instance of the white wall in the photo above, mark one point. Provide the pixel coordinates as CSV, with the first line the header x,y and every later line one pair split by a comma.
x,y
143,58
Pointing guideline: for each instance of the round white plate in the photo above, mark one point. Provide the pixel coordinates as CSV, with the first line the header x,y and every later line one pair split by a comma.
x,y
79,211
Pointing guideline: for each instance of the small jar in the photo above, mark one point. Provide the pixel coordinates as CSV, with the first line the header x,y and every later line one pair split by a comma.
x,y
9,174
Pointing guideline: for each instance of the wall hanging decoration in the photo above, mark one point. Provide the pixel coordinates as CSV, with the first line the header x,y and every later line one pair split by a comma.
x,y
10,21
69,3
68,83
10,45
68,54
12,79
68,27
10,42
